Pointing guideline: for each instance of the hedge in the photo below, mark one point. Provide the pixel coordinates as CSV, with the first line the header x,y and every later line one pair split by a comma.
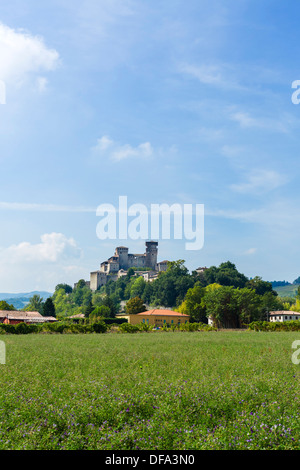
x,y
114,321
57,328
292,325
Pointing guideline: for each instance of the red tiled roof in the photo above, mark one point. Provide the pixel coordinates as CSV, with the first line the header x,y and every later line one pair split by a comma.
x,y
18,314
169,313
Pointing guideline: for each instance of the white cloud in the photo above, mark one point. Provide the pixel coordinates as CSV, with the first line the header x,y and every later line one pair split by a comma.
x,y
54,247
221,75
260,181
108,148
207,74
23,55
246,121
27,266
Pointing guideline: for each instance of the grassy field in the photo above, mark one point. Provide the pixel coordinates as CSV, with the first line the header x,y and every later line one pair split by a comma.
x,y
160,390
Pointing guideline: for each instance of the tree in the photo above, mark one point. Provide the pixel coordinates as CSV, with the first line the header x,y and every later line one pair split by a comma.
x,y
108,302
137,288
49,308
226,275
63,303
260,286
100,312
221,307
5,306
80,284
88,309
82,295
130,273
68,289
135,306
248,304
269,302
35,304
148,292
170,288
193,305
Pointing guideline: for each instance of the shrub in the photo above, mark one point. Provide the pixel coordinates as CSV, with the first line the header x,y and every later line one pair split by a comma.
x,y
58,327
145,327
99,327
10,329
25,329
128,328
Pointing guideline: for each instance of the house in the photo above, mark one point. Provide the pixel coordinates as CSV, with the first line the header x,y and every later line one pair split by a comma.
x,y
283,315
9,317
156,317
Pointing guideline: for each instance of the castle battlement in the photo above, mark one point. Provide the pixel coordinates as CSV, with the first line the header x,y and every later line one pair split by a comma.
x,y
122,260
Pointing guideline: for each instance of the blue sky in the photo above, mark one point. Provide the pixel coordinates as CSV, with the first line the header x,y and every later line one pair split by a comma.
x,y
194,99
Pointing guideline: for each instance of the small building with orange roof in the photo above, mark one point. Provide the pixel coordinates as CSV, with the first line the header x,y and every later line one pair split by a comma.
x,y
157,318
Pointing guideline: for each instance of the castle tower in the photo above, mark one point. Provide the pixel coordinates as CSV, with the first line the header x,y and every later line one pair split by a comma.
x,y
122,253
151,255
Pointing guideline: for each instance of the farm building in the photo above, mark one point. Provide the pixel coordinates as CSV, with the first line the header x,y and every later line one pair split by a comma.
x,y
14,317
157,317
283,315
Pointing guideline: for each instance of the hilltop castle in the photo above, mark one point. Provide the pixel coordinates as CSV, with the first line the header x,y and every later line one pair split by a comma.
x,y
118,265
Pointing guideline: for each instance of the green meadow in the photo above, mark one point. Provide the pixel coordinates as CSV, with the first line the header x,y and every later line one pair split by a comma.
x,y
157,390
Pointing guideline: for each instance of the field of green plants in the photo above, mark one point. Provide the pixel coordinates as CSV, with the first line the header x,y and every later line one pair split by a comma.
x,y
157,390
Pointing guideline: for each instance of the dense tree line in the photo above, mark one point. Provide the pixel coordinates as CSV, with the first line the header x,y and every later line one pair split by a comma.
x,y
222,293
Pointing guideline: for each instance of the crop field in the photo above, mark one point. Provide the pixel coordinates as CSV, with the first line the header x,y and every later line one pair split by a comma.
x,y
150,391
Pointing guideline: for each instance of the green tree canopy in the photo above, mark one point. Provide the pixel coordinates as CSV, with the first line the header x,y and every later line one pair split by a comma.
x,y
68,289
137,288
35,304
221,307
49,308
5,306
225,275
134,306
88,309
101,311
194,305
260,286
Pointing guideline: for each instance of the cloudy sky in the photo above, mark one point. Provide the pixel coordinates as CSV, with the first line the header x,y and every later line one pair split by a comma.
x,y
163,102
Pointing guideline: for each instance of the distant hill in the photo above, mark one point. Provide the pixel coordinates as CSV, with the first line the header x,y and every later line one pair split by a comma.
x,y
21,300
280,283
287,291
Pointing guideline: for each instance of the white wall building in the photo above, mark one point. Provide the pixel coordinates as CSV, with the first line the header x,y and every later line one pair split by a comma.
x,y
283,315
